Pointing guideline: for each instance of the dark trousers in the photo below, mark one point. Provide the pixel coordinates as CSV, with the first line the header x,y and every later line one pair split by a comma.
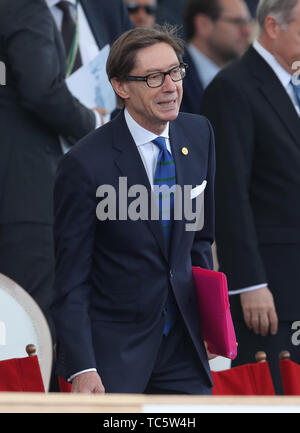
x,y
178,369
27,257
250,343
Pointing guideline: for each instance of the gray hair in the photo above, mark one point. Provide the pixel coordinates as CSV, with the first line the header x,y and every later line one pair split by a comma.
x,y
281,10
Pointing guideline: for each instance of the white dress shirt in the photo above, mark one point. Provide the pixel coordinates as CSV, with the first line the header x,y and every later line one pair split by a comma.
x,y
206,68
149,153
143,139
284,76
87,44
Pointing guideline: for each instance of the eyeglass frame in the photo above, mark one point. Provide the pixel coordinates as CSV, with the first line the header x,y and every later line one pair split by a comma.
x,y
164,74
133,8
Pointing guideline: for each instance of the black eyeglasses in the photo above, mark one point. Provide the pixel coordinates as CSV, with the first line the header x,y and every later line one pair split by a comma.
x,y
133,8
157,79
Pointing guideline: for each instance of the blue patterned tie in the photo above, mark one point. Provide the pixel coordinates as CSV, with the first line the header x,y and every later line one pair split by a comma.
x,y
165,174
297,92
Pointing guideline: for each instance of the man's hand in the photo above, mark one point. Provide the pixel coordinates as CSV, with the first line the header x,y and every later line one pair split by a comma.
x,y
88,383
259,311
209,354
101,112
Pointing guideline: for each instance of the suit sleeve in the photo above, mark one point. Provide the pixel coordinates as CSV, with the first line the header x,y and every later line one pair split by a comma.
x,y
237,246
31,43
201,251
74,234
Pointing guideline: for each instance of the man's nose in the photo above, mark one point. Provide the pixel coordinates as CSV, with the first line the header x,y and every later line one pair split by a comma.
x,y
169,84
141,14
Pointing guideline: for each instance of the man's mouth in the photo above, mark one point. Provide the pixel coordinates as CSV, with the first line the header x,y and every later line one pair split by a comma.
x,y
167,103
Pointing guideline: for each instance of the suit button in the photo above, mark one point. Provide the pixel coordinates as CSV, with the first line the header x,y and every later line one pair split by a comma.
x,y
164,312
171,274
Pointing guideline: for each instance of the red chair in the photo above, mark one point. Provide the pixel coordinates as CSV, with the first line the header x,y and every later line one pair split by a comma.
x,y
64,386
290,374
21,374
248,379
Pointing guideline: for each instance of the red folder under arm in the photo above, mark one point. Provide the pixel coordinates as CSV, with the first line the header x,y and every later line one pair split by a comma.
x,y
215,317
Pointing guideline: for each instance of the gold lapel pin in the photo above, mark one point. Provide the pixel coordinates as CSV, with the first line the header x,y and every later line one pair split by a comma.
x,y
184,151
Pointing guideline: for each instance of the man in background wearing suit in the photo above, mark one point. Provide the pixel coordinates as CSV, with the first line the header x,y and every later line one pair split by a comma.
x,y
217,31
125,309
254,107
37,113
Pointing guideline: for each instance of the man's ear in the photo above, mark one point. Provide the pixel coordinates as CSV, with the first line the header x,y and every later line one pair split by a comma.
x,y
272,28
121,88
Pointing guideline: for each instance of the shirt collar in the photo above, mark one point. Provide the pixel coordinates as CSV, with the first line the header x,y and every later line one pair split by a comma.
x,y
207,68
52,3
139,134
284,76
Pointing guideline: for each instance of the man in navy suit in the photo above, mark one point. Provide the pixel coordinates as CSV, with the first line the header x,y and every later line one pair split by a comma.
x,y
217,31
36,111
118,279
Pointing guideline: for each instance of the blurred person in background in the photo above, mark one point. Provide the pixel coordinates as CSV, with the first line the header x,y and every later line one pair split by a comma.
x,y
252,5
254,107
217,32
142,12
38,113
171,12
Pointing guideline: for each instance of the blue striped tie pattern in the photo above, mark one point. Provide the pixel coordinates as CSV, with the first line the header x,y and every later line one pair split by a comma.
x,y
165,174
297,92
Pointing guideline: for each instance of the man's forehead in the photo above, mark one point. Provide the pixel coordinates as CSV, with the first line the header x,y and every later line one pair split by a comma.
x,y
156,57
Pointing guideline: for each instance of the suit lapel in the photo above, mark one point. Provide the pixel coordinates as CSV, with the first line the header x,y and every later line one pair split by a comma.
x,y
275,93
130,164
182,163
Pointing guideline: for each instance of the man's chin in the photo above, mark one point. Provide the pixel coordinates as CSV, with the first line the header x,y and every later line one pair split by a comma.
x,y
169,115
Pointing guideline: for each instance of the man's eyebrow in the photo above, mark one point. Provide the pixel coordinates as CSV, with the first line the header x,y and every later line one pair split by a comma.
x,y
152,71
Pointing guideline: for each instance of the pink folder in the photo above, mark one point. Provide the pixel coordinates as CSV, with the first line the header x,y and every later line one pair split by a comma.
x,y
215,317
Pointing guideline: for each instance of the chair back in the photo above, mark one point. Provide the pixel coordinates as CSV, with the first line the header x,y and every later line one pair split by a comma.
x,y
23,322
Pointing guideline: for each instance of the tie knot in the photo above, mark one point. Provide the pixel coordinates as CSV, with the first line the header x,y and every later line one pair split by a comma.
x,y
160,142
64,6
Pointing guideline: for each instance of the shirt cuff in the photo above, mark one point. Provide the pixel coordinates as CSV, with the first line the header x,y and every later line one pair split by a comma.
x,y
80,372
247,289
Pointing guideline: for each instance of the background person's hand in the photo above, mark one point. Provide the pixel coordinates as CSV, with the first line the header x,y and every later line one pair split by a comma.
x,y
101,112
259,311
209,354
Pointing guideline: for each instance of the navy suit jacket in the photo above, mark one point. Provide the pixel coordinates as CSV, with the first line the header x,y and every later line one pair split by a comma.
x,y
192,88
112,277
